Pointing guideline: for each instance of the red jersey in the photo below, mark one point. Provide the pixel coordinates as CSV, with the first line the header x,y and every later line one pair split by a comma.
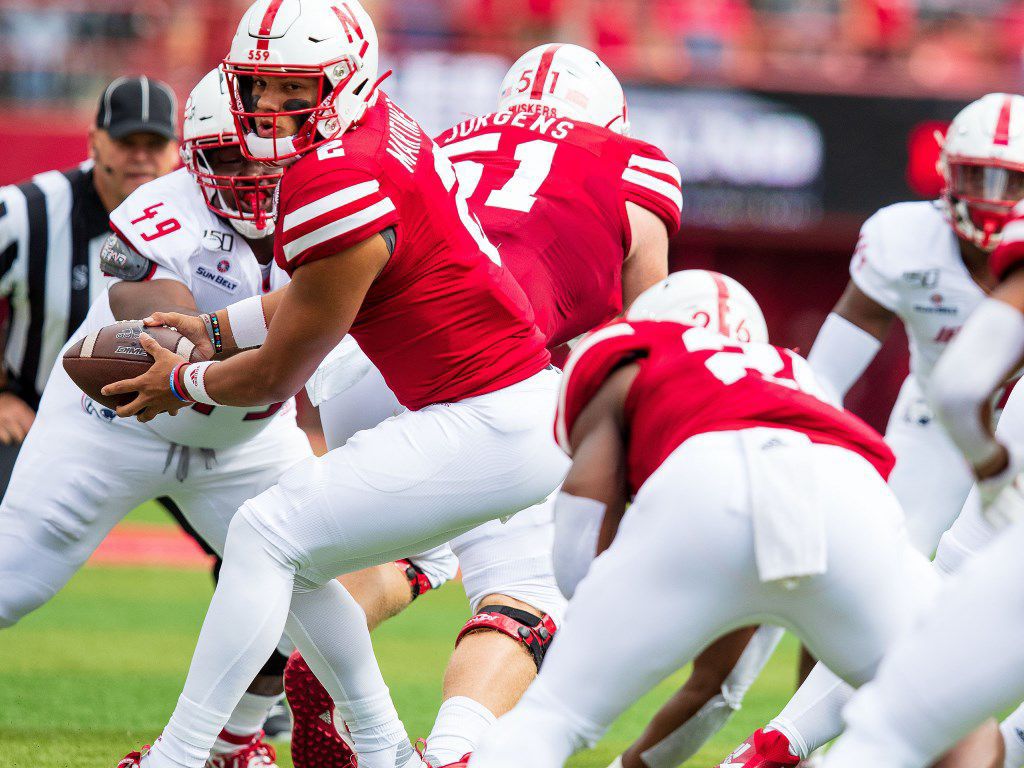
x,y
1010,252
442,321
551,194
693,381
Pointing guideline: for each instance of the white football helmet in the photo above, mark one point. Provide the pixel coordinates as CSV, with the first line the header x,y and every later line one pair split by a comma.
x,y
245,198
566,81
982,163
705,299
331,41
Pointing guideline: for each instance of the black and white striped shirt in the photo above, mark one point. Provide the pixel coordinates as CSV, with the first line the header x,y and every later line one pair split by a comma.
x,y
52,228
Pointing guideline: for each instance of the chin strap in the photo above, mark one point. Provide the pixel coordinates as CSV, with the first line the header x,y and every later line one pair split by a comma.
x,y
522,626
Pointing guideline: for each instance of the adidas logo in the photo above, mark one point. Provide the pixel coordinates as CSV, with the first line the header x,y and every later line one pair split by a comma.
x,y
326,716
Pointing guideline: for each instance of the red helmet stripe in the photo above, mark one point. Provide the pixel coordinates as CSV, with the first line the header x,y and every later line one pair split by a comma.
x,y
543,71
268,24
1002,137
723,302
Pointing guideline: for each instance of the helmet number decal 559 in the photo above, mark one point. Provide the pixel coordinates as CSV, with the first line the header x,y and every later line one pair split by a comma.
x,y
257,55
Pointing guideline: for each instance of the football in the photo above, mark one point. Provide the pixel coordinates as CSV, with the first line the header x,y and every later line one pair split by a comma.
x,y
114,353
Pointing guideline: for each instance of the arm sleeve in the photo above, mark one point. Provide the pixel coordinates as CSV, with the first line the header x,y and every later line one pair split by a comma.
x,y
869,268
327,214
841,353
652,181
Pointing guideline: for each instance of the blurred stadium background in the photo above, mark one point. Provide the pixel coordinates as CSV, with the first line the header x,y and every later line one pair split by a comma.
x,y
791,120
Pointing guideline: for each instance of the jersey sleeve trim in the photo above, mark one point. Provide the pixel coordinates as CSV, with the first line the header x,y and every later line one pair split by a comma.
x,y
655,185
332,202
584,373
316,244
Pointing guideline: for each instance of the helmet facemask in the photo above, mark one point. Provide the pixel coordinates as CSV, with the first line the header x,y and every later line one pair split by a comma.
x,y
266,137
246,200
980,195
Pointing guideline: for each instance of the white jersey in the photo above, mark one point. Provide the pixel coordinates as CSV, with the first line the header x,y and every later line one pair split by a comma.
x,y
168,222
908,260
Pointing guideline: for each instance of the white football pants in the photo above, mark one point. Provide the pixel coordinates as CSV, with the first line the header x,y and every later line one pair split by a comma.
x,y
413,482
511,557
649,604
79,474
813,717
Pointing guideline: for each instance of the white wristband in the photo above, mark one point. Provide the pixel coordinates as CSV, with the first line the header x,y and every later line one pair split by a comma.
x,y
248,323
193,378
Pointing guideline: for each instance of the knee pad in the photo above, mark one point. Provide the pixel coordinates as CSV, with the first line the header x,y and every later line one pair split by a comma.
x,y
534,633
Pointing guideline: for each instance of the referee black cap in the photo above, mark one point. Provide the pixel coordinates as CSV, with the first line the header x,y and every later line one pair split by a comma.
x,y
138,105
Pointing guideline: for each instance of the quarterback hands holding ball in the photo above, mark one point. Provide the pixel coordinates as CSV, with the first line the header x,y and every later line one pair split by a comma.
x,y
156,393
154,389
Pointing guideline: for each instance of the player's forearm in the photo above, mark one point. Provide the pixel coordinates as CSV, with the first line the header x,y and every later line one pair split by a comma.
x,y
986,351
249,379
131,301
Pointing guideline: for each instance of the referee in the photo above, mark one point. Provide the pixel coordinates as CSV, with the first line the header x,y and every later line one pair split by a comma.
x,y
51,230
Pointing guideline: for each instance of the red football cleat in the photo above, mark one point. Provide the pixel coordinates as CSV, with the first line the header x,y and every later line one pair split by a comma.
x,y
316,742
255,754
764,749
133,759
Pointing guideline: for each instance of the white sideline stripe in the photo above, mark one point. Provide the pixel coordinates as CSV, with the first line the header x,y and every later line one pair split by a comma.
x,y
488,142
89,344
338,228
332,202
658,166
662,188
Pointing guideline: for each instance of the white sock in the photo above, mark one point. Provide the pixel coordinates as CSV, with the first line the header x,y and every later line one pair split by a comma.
x,y
1012,729
813,717
460,723
245,723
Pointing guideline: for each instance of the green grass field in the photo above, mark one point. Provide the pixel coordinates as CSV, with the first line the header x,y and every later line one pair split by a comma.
x,y
97,671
